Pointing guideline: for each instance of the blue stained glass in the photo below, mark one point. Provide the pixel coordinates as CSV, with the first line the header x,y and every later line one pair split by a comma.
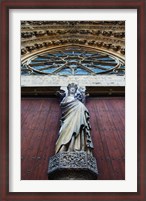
x,y
81,71
77,53
24,73
89,65
95,55
121,73
50,55
34,62
85,63
73,65
49,70
87,54
92,68
65,71
73,60
106,67
38,67
40,59
68,53
122,67
106,59
97,70
58,54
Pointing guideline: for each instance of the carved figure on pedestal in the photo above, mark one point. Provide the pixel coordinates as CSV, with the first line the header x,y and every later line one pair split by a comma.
x,y
73,158
74,133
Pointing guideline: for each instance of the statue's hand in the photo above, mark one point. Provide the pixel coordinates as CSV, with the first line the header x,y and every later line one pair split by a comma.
x,y
61,94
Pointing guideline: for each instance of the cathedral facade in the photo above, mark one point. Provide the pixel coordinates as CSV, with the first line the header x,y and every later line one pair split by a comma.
x,y
90,54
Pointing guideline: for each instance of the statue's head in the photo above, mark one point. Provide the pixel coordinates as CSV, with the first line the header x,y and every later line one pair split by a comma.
x,y
72,88
81,89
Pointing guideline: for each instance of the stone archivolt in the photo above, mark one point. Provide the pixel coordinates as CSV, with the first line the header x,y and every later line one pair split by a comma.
x,y
106,35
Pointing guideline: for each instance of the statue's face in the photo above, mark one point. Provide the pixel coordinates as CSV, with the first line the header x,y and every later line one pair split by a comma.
x,y
72,90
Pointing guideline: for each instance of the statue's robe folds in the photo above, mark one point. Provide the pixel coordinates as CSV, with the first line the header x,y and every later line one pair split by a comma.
x,y
74,123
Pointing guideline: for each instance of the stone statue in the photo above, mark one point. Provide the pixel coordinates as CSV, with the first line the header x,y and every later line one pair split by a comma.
x,y
73,159
74,133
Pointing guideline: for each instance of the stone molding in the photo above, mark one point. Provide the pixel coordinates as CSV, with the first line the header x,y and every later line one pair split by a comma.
x,y
56,80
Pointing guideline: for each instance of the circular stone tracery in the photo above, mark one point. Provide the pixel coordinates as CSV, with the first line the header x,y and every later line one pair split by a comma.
x,y
73,61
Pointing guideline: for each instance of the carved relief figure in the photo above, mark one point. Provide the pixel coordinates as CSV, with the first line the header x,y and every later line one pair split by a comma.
x,y
74,133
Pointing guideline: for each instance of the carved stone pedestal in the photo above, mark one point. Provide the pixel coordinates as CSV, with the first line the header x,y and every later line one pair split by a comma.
x,y
72,166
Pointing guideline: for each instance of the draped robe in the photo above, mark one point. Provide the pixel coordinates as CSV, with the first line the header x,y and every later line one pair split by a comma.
x,y
74,122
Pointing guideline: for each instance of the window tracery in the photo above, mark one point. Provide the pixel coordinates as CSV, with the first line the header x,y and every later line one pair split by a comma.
x,y
73,60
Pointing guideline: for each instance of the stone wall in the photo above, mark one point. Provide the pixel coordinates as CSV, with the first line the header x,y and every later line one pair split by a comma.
x,y
55,80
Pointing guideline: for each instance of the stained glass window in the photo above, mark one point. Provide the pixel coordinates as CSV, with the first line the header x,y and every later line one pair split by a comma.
x,y
73,60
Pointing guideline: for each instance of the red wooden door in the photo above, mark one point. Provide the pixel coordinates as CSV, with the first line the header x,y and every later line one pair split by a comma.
x,y
40,121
